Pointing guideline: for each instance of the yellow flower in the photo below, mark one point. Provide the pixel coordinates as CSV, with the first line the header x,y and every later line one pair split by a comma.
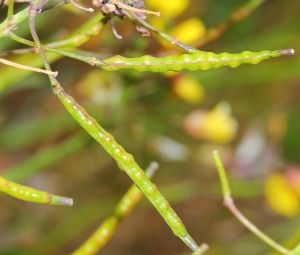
x,y
280,196
188,31
188,88
217,125
168,9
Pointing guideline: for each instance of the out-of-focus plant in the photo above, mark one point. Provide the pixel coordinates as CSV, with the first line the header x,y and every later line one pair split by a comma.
x,y
216,126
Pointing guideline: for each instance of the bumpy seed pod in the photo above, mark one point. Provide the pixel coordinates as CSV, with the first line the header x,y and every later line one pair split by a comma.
x,y
32,195
128,164
193,62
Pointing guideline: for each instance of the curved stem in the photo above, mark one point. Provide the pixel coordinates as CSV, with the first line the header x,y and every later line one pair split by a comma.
x,y
229,203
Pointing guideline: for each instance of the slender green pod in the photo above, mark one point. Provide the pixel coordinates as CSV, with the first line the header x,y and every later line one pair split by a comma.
x,y
100,237
193,62
127,163
32,195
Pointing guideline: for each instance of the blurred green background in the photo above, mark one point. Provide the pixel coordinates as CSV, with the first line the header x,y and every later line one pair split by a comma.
x,y
43,147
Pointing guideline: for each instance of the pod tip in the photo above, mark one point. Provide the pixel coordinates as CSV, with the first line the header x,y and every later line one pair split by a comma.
x,y
188,240
287,52
57,200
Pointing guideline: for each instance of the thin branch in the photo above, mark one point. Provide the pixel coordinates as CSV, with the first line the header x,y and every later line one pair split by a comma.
x,y
171,39
215,32
229,203
38,70
10,10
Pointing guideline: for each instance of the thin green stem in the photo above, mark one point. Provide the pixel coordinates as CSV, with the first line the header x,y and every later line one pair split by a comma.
x,y
91,28
216,31
33,7
102,235
10,11
223,177
171,39
74,41
13,20
8,24
229,203
242,12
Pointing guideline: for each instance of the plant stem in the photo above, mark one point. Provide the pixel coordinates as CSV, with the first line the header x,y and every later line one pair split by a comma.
x,y
229,203
73,41
213,33
171,39
9,24
10,10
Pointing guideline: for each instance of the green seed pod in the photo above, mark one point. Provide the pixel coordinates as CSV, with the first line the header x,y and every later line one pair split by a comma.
x,y
128,164
32,195
193,62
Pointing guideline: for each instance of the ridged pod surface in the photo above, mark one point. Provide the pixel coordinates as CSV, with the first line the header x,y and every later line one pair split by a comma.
x,y
128,164
193,62
32,195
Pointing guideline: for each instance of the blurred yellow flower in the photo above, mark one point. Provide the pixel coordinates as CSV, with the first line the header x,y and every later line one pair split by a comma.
x,y
188,88
188,31
217,125
168,9
280,196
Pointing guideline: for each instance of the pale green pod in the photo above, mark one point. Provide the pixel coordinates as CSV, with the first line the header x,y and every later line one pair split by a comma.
x,y
193,62
32,195
128,164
